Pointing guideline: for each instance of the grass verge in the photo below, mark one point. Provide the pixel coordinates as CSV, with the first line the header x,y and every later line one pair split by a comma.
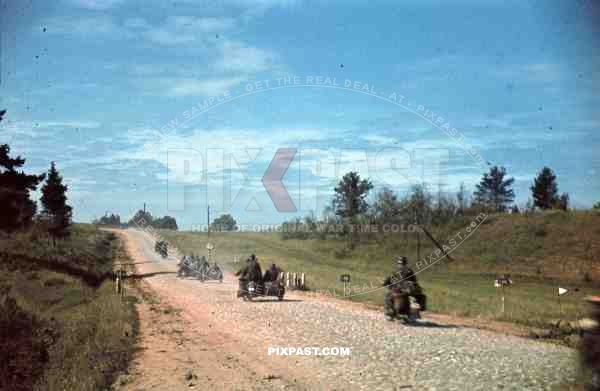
x,y
68,329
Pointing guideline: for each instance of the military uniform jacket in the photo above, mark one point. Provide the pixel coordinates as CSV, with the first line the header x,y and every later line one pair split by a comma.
x,y
399,276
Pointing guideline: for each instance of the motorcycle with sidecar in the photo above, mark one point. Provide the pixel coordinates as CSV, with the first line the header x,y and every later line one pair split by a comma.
x,y
248,290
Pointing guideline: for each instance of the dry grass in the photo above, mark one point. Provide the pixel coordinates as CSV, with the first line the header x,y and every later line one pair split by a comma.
x,y
86,332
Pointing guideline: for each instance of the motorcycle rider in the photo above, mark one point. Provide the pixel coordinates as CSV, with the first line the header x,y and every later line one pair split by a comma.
x,y
183,265
272,274
203,266
396,280
250,272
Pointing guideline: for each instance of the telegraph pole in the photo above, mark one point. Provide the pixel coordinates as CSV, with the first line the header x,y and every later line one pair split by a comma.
x,y
209,245
418,239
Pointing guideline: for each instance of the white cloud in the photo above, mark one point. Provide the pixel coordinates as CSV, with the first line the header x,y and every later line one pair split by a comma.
x,y
205,25
235,57
96,4
86,26
179,30
536,72
194,87
69,124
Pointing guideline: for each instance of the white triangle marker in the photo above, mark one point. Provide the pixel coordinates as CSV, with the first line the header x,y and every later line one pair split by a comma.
x,y
562,291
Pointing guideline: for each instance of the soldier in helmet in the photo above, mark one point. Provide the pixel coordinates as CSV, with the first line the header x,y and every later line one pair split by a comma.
x,y
203,266
250,272
404,273
272,273
397,279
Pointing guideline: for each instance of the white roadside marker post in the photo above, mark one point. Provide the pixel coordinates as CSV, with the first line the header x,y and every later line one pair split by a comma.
x,y
561,292
501,282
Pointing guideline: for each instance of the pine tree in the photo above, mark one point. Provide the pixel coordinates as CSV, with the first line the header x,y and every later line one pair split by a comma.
x,y
545,189
350,196
350,200
494,191
16,207
54,204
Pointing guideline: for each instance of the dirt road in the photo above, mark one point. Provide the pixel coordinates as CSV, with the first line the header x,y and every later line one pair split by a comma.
x,y
199,336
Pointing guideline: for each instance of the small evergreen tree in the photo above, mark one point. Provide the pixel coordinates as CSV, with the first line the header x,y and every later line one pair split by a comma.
x,y
545,189
494,192
16,207
350,200
54,205
350,196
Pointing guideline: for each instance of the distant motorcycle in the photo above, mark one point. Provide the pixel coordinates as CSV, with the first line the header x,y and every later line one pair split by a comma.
x,y
193,266
211,272
184,267
162,248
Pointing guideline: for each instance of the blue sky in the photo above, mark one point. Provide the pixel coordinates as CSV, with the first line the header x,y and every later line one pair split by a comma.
x,y
89,83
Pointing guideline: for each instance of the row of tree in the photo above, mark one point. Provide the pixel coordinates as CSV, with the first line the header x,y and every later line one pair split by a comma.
x,y
144,219
18,210
351,206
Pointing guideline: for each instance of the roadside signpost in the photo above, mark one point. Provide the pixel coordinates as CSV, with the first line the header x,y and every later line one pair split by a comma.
x,y
345,278
120,276
501,282
561,292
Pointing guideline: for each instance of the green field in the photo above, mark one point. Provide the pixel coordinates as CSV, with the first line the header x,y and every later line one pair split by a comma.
x,y
541,252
